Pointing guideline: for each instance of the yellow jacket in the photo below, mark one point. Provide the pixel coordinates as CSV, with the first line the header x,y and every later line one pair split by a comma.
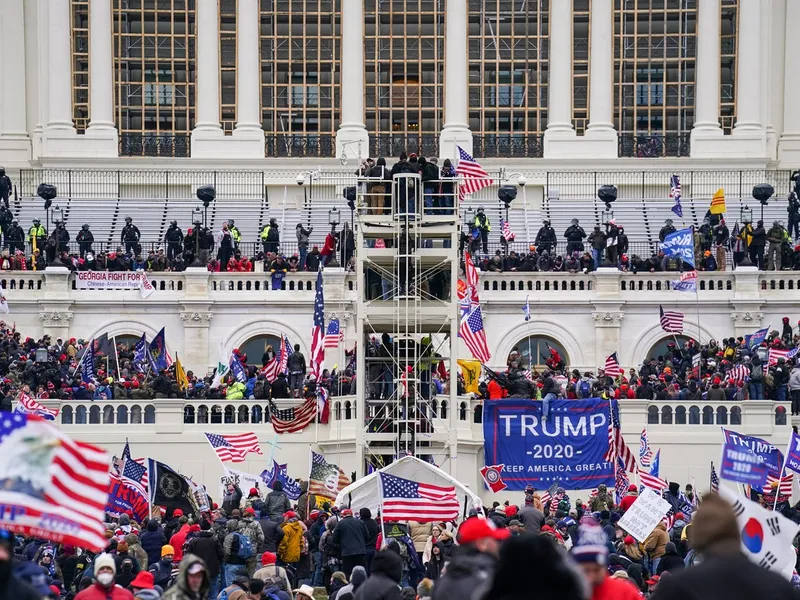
x,y
235,391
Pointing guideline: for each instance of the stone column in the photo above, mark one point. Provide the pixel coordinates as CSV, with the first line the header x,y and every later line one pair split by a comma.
x,y
559,103
456,94
352,139
196,323
749,47
207,127
15,144
59,91
789,145
248,130
601,81
607,333
707,131
101,78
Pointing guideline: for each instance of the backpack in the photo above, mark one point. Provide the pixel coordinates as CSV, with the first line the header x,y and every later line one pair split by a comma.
x,y
275,581
585,389
245,549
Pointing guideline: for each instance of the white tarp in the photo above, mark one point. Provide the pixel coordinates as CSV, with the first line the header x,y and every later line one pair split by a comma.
x,y
365,493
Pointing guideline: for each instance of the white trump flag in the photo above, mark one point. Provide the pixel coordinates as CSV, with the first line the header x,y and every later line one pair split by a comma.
x,y
766,535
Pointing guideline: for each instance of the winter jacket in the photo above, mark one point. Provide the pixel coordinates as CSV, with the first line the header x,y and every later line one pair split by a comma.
x,y
277,504
252,529
135,549
273,572
794,379
152,539
465,572
656,543
384,582
351,537
162,571
177,540
672,562
292,543
532,518
273,534
97,592
357,579
180,590
19,590
419,533
231,500
206,547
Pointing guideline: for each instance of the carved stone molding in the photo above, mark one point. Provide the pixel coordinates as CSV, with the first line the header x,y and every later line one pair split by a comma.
x,y
55,318
747,318
608,318
196,319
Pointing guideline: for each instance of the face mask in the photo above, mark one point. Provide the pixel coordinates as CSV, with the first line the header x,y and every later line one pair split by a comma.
x,y
105,579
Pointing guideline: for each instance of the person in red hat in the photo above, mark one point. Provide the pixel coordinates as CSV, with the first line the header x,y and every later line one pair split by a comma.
x,y
630,497
144,580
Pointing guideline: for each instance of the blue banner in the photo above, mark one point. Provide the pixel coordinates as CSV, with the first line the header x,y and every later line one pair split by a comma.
x,y
123,497
569,447
769,454
741,465
680,244
279,473
793,456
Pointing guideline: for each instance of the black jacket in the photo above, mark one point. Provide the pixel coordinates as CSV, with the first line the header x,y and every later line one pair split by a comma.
x,y
278,504
351,537
273,534
152,539
671,562
18,590
466,570
384,582
206,546
373,530
729,577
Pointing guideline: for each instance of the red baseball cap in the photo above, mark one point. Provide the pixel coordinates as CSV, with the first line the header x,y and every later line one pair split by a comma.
x,y
476,528
177,512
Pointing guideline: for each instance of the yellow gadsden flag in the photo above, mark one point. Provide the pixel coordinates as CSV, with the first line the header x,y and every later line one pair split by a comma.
x,y
471,371
180,375
718,202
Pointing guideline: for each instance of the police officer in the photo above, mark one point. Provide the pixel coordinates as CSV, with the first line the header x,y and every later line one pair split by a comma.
x,y
574,235
5,186
235,235
484,227
37,233
5,222
666,229
546,238
58,241
85,239
130,237
15,237
270,237
174,240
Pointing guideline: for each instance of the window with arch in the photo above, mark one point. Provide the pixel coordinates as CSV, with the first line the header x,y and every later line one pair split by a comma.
x,y
780,415
80,415
680,415
258,414
708,415
652,415
257,346
722,415
122,415
736,415
202,414
94,415
535,349
66,415
462,411
666,415
244,414
337,411
230,415
444,409
136,414
188,414
348,410
216,415
478,414
660,348
149,414
108,415
694,415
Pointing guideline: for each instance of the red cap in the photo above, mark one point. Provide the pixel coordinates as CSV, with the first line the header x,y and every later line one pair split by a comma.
x,y
290,514
632,487
214,506
629,541
511,510
476,528
253,492
177,512
249,511
144,580
347,512
680,516
269,558
653,580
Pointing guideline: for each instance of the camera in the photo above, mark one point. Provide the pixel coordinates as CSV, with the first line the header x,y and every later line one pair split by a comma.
x,y
300,179
522,180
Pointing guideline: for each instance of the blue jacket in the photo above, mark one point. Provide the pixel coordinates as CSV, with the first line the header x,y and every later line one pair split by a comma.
x,y
152,539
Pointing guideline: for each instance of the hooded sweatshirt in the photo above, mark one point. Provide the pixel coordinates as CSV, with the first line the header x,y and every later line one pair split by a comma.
x,y
357,579
180,590
384,583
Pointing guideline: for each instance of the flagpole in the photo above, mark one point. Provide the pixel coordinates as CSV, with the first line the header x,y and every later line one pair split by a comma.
x,y
783,470
80,361
116,357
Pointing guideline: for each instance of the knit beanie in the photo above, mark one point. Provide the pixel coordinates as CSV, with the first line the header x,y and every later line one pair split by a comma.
x,y
104,560
590,546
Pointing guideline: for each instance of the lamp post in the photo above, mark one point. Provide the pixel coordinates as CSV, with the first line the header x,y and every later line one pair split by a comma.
x,y
57,215
197,215
746,215
334,220
521,181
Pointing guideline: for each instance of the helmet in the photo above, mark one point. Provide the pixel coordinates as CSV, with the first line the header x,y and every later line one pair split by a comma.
x,y
480,209
128,220
85,226
546,223
574,221
230,222
37,222
668,222
173,223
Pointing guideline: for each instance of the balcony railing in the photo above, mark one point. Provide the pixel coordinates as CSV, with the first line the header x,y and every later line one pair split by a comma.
x,y
499,145
393,145
675,145
161,145
300,145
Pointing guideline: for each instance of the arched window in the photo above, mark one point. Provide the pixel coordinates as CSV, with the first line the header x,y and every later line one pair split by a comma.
x,y
80,415
188,414
666,415
444,409
660,348
694,415
780,415
136,414
337,411
230,414
255,347
435,408
244,414
122,415
680,415
478,414
722,415
216,414
536,348
348,410
149,414
66,415
108,415
708,415
258,413
736,415
652,415
202,414
94,415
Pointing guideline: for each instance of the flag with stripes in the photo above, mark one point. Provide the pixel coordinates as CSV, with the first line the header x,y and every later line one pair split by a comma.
x,y
785,487
27,405
775,354
278,363
234,448
119,464
621,481
294,419
645,453
675,194
326,479
317,330
474,335
54,487
473,177
505,231
135,473
617,448
714,479
549,493
650,479
612,368
406,500
671,320
333,335
739,373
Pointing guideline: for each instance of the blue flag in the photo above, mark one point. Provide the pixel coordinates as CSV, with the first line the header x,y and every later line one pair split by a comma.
x,y
158,352
758,337
279,473
140,359
656,466
237,369
87,364
675,194
680,244
741,464
793,455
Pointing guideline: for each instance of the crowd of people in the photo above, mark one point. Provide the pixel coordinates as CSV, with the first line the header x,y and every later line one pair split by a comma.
x,y
264,547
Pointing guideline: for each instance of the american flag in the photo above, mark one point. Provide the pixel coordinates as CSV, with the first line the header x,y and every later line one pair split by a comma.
x,y
144,481
406,500
617,448
278,363
775,354
506,232
549,493
621,481
294,419
652,482
645,453
714,479
325,479
333,335
474,335
785,488
134,473
671,320
474,178
317,331
675,194
669,519
612,368
27,405
739,373
55,488
234,448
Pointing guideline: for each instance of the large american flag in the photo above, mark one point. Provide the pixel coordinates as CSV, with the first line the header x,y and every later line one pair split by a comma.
x,y
612,368
645,453
55,487
653,482
334,334
621,481
278,363
739,373
234,448
617,448
474,178
143,481
785,487
671,320
27,405
318,330
474,335
406,500
714,479
775,354
326,479
294,419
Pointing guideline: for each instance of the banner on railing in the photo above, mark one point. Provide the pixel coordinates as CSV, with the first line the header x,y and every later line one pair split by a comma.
x,y
568,447
114,280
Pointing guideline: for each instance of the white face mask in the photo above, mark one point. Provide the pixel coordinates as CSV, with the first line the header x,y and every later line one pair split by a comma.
x,y
105,579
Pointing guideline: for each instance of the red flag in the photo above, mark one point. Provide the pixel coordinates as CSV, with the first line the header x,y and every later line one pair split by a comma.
x,y
492,475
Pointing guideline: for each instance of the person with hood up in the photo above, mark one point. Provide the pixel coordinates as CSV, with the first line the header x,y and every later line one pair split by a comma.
x,y
602,501
104,587
291,546
179,538
306,501
434,567
725,573
338,581
192,582
206,546
152,540
12,586
136,551
671,561
655,545
277,502
232,498
357,579
365,516
251,529
591,554
384,583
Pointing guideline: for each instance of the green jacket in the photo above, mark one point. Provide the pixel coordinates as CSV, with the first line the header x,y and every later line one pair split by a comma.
x,y
235,391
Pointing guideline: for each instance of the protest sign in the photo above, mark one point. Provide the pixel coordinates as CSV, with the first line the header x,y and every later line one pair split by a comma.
x,y
644,514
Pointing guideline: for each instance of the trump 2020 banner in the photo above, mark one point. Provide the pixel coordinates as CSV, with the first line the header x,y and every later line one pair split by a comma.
x,y
569,447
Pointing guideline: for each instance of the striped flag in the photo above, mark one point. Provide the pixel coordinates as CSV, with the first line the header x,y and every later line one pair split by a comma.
x,y
317,330
134,473
474,335
473,177
294,419
617,448
326,479
505,231
675,194
714,479
126,456
785,488
27,405
739,373
612,368
54,488
775,354
549,493
650,479
645,453
333,335
278,363
406,500
234,448
671,320
621,481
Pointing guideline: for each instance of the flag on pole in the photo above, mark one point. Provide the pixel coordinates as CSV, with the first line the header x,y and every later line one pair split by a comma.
x,y
645,453
333,335
527,308
621,481
87,364
406,500
278,363
237,368
671,320
612,368
29,406
758,337
617,448
180,375
687,282
234,448
280,473
222,368
158,353
140,357
326,479
3,302
506,232
714,485
775,354
317,330
473,177
650,479
474,335
718,203
783,484
675,194
145,287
